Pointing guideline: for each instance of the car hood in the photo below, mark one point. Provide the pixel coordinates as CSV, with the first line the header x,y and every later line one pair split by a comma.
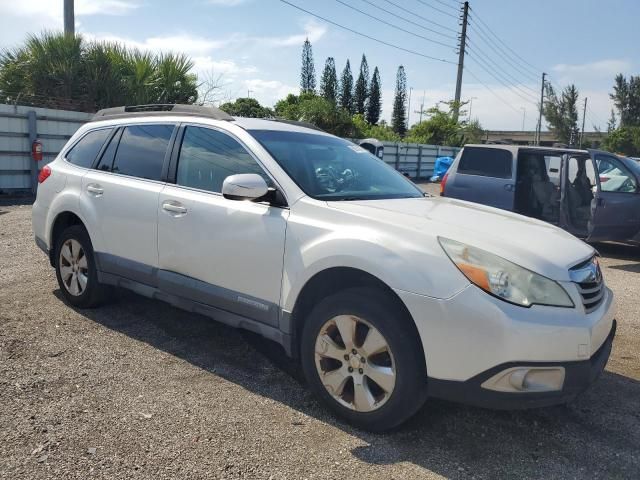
x,y
530,243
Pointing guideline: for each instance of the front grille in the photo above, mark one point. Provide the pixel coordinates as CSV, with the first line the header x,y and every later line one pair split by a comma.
x,y
588,278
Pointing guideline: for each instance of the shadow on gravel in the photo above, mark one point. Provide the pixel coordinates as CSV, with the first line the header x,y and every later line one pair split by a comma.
x,y
595,436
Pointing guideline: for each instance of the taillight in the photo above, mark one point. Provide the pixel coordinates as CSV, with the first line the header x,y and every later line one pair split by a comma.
x,y
44,173
604,179
443,184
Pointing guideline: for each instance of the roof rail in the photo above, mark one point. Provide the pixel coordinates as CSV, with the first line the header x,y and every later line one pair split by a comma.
x,y
299,123
161,109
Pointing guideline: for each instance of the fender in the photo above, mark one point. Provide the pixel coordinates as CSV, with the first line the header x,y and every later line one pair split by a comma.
x,y
389,258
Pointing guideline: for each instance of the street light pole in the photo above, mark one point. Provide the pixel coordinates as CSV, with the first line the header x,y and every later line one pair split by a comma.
x,y
471,105
539,131
409,108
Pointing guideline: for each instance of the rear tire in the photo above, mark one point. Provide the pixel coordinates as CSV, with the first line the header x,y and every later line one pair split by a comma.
x,y
390,384
76,269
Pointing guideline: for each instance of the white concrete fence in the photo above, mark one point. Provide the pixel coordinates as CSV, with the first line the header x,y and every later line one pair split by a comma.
x,y
21,125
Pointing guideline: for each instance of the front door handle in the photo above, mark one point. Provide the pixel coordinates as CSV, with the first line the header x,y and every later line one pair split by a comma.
x,y
95,189
174,208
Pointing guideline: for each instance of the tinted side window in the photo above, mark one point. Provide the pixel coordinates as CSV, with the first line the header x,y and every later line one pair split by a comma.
x,y
208,156
106,160
486,162
86,150
141,151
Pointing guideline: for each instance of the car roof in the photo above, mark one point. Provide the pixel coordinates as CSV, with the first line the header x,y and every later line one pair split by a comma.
x,y
514,148
119,115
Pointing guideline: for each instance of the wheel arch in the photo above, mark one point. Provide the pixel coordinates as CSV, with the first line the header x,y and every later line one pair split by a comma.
x,y
332,280
62,221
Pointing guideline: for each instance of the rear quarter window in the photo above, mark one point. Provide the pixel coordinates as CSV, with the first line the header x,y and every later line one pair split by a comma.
x,y
486,162
86,150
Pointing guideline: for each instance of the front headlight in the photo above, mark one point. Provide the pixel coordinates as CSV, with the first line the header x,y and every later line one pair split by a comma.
x,y
504,279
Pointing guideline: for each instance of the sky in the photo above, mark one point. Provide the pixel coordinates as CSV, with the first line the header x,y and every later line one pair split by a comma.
x,y
255,46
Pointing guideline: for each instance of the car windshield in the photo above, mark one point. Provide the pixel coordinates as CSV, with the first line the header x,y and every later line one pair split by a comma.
x,y
330,168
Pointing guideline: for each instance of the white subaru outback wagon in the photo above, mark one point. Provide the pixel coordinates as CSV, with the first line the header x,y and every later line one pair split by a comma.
x,y
384,294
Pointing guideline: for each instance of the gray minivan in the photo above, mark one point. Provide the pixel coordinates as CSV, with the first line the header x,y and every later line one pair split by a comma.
x,y
595,195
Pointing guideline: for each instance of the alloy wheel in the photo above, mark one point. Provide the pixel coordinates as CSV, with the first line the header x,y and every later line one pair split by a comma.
x,y
355,363
74,269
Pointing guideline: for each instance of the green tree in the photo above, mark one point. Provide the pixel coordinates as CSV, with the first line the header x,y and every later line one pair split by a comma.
x,y
561,113
329,81
374,107
64,71
442,128
624,140
308,107
346,88
247,107
626,98
308,72
399,114
611,123
361,93
364,129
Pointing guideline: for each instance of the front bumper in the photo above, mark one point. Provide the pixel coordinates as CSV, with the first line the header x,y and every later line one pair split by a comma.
x,y
579,375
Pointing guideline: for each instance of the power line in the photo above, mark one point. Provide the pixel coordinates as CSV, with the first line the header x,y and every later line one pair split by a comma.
x,y
420,16
397,47
533,67
474,48
447,4
520,93
389,12
393,25
496,49
437,9
508,104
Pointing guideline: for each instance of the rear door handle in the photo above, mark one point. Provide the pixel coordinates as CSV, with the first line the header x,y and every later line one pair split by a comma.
x,y
174,208
95,189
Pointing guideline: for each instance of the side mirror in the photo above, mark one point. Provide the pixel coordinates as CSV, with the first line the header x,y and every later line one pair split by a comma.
x,y
244,186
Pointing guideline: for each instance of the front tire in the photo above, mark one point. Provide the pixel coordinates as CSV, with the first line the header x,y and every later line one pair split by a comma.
x,y
76,269
361,355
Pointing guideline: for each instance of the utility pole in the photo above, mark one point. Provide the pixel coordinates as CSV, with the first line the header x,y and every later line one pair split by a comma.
x,y
249,92
524,114
409,108
584,112
539,128
69,18
462,47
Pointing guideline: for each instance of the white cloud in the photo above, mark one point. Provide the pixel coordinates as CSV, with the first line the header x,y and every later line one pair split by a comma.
x,y
225,67
181,43
607,67
226,3
268,91
313,30
54,9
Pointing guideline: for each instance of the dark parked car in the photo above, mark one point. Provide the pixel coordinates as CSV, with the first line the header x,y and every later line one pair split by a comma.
x,y
593,194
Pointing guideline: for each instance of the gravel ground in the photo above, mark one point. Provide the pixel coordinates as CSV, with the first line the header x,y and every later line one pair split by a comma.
x,y
138,389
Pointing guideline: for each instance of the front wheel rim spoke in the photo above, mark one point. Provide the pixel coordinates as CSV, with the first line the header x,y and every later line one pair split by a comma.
x,y
82,263
82,281
334,381
374,343
347,327
76,250
65,273
384,377
326,347
73,285
363,400
66,253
